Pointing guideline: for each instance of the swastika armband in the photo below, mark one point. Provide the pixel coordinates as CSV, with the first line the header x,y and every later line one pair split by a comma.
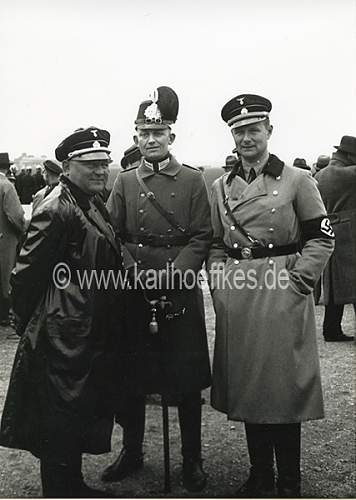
x,y
320,227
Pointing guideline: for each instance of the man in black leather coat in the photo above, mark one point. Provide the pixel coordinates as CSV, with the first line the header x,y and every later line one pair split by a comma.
x,y
59,401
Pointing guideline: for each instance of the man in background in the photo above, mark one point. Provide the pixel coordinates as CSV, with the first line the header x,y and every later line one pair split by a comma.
x,y
301,163
52,171
337,185
230,162
12,224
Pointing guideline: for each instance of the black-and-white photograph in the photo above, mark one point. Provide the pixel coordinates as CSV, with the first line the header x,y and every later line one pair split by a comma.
x,y
177,249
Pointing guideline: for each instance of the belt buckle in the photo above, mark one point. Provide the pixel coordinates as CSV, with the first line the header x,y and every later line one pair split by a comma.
x,y
246,253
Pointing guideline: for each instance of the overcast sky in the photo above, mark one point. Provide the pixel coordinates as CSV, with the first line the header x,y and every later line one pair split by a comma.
x,y
66,64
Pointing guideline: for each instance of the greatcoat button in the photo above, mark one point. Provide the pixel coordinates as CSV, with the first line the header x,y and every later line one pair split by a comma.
x,y
140,245
235,245
270,245
271,229
142,228
236,262
142,195
141,211
232,228
273,210
270,262
278,178
275,192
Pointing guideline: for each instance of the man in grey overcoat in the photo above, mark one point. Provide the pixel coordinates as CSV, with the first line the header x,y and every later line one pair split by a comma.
x,y
160,211
12,225
266,365
337,185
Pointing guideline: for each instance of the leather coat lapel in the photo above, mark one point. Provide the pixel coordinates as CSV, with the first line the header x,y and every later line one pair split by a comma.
x,y
96,218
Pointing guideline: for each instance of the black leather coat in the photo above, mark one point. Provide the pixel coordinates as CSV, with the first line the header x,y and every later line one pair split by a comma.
x,y
70,344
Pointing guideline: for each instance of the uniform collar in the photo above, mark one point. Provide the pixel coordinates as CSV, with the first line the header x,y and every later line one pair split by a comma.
x,y
273,167
159,164
170,169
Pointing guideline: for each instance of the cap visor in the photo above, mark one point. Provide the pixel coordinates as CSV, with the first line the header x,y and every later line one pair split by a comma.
x,y
156,126
95,155
248,121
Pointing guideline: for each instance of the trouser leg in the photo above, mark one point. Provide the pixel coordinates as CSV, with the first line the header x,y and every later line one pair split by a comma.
x,y
332,320
4,306
60,464
189,412
287,441
133,424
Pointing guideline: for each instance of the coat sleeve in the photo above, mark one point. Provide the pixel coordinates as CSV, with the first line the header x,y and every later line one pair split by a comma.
x,y
192,255
13,210
217,255
315,232
117,210
42,249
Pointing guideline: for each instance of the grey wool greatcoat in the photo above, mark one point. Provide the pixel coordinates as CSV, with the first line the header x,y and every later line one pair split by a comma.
x,y
266,366
12,225
175,360
67,359
337,185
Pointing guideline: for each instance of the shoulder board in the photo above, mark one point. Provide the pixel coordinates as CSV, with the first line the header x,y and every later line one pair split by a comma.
x,y
189,166
128,169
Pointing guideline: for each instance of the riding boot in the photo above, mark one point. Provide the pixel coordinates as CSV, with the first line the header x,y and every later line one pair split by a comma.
x,y
56,479
130,457
287,447
261,482
189,412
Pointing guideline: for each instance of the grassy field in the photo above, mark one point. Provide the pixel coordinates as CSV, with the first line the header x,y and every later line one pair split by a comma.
x,y
328,446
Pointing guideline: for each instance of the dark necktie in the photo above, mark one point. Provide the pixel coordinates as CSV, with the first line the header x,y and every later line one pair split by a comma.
x,y
251,176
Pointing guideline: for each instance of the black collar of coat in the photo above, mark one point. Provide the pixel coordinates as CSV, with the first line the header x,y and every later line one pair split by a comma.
x,y
81,198
273,167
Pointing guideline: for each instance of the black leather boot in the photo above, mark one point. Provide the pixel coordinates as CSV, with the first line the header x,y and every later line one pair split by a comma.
x,y
288,488
194,478
79,488
260,484
189,412
130,458
126,464
56,480
287,445
261,481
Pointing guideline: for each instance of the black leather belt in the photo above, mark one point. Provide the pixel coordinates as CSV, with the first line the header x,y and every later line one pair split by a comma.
x,y
260,252
157,240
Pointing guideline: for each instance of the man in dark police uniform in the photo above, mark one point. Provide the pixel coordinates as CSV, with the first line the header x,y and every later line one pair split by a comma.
x,y
160,210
